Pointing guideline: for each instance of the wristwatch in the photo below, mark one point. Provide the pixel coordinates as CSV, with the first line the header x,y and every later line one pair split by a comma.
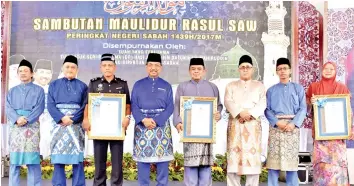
x,y
128,116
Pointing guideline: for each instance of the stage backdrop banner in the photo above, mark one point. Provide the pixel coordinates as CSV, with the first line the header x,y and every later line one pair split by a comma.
x,y
220,32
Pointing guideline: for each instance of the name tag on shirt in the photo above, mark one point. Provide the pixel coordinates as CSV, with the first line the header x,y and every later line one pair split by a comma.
x,y
161,89
119,88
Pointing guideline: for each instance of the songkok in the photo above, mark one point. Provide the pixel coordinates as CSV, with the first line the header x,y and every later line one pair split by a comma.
x,y
26,64
108,57
153,57
71,59
283,61
43,64
196,61
245,59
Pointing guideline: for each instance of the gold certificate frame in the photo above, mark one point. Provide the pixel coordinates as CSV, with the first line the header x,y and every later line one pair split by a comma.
x,y
332,117
197,113
106,112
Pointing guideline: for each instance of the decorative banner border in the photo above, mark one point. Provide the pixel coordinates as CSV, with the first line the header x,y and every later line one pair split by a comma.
x,y
5,51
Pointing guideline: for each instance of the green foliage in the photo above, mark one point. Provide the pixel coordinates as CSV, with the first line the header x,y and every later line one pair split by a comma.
x,y
130,171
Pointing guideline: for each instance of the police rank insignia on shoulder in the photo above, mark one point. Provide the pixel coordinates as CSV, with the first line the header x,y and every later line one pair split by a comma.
x,y
119,79
100,87
94,79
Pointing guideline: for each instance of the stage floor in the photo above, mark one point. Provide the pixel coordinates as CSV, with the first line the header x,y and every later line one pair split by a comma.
x,y
5,182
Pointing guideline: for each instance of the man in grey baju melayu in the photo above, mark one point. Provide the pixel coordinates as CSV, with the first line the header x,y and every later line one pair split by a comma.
x,y
198,157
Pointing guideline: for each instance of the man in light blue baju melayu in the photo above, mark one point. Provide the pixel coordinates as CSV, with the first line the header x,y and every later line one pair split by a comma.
x,y
24,104
286,111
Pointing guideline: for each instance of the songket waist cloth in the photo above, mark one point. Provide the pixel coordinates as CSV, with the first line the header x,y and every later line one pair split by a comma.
x,y
283,147
24,142
244,147
152,146
67,144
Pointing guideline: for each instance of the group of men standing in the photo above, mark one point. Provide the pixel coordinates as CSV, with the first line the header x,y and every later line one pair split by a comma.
x,y
284,105
152,105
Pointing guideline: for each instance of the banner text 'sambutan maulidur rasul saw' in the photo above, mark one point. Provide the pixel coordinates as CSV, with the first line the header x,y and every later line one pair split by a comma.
x,y
140,24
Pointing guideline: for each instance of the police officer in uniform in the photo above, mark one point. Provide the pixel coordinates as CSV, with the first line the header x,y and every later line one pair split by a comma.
x,y
108,83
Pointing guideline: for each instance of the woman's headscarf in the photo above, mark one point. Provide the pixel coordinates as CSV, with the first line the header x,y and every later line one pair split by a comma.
x,y
327,85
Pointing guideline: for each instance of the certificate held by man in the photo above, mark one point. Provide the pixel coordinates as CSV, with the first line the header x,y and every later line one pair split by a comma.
x,y
106,117
106,112
198,119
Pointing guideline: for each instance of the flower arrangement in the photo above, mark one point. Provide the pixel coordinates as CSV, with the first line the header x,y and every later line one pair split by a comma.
x,y
130,171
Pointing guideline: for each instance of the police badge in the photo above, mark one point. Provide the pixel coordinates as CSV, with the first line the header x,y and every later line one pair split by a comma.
x,y
100,87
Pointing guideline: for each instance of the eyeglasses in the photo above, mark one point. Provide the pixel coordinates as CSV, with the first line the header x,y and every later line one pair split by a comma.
x,y
284,68
245,68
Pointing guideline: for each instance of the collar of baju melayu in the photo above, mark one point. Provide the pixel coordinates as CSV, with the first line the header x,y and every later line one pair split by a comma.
x,y
246,82
66,79
284,84
199,82
150,79
26,84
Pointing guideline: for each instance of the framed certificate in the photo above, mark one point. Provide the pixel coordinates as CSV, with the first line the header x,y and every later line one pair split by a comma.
x,y
198,121
332,117
106,113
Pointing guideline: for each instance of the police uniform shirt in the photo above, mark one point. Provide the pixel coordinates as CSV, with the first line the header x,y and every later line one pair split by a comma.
x,y
117,86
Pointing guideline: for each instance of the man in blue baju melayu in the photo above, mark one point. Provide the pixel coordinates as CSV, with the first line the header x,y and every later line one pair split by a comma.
x,y
67,98
24,104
